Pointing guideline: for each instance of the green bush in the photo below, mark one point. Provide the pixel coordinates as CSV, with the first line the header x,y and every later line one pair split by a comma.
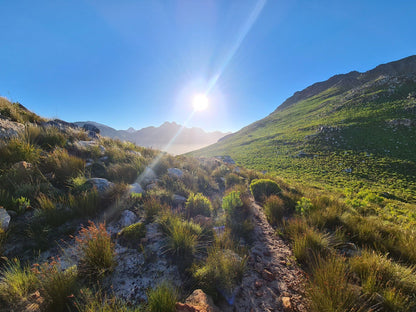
x,y
274,208
96,301
330,290
232,179
222,271
231,202
162,299
304,206
380,275
132,234
16,150
62,167
85,203
263,188
56,285
198,204
17,282
183,239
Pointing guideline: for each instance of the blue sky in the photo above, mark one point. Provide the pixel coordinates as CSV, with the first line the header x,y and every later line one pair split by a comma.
x,y
139,63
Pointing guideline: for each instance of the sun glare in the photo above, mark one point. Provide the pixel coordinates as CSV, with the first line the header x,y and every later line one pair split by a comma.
x,y
200,102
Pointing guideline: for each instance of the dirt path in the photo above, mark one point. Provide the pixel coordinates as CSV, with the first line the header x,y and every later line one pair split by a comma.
x,y
273,281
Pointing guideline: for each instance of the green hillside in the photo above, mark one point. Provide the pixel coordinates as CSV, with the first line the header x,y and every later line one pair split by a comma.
x,y
356,128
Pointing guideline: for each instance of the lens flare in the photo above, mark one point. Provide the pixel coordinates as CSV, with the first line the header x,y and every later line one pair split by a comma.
x,y
200,102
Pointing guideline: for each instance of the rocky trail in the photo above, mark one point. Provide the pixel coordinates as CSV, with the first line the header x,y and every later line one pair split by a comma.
x,y
273,281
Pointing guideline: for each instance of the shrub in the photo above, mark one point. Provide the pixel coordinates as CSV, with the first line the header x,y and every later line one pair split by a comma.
x,y
162,299
152,207
379,275
56,284
183,239
197,204
86,203
49,211
304,206
132,234
96,251
231,202
62,166
222,271
263,188
329,288
237,212
16,150
126,173
99,302
274,208
232,179
17,282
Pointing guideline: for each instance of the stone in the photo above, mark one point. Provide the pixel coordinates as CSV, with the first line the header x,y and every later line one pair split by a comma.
x,y
178,199
100,184
22,165
175,172
287,305
10,129
135,188
267,275
4,219
258,284
91,127
198,301
127,218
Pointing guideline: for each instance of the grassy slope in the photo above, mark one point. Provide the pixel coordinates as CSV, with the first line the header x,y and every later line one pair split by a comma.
x,y
357,134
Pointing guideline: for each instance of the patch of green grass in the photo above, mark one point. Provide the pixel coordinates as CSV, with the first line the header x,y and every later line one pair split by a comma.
x,y
162,298
56,285
17,282
274,208
330,289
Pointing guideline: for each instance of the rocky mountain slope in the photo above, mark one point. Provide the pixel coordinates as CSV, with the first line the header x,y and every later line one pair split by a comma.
x,y
351,127
170,136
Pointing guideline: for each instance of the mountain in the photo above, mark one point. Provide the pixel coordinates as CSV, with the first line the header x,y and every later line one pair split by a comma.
x,y
351,127
170,136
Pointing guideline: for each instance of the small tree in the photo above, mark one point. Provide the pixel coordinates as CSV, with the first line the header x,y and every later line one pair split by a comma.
x,y
263,188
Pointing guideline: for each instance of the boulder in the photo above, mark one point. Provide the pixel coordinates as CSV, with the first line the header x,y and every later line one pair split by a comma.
x,y
178,199
198,301
175,172
147,176
91,127
22,165
9,129
127,218
101,184
4,219
135,188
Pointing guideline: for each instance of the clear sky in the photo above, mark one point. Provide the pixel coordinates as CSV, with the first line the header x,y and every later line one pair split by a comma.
x,y
138,63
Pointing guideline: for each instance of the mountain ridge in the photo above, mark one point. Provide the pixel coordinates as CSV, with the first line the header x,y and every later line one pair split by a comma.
x,y
169,136
350,127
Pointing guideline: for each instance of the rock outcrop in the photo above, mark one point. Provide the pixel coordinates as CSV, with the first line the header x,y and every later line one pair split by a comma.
x,y
198,301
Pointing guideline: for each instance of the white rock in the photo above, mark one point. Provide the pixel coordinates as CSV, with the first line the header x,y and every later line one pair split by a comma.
x,y
4,219
127,218
178,199
175,172
135,188
101,184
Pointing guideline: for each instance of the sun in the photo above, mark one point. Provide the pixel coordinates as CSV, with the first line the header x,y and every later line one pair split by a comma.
x,y
200,102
